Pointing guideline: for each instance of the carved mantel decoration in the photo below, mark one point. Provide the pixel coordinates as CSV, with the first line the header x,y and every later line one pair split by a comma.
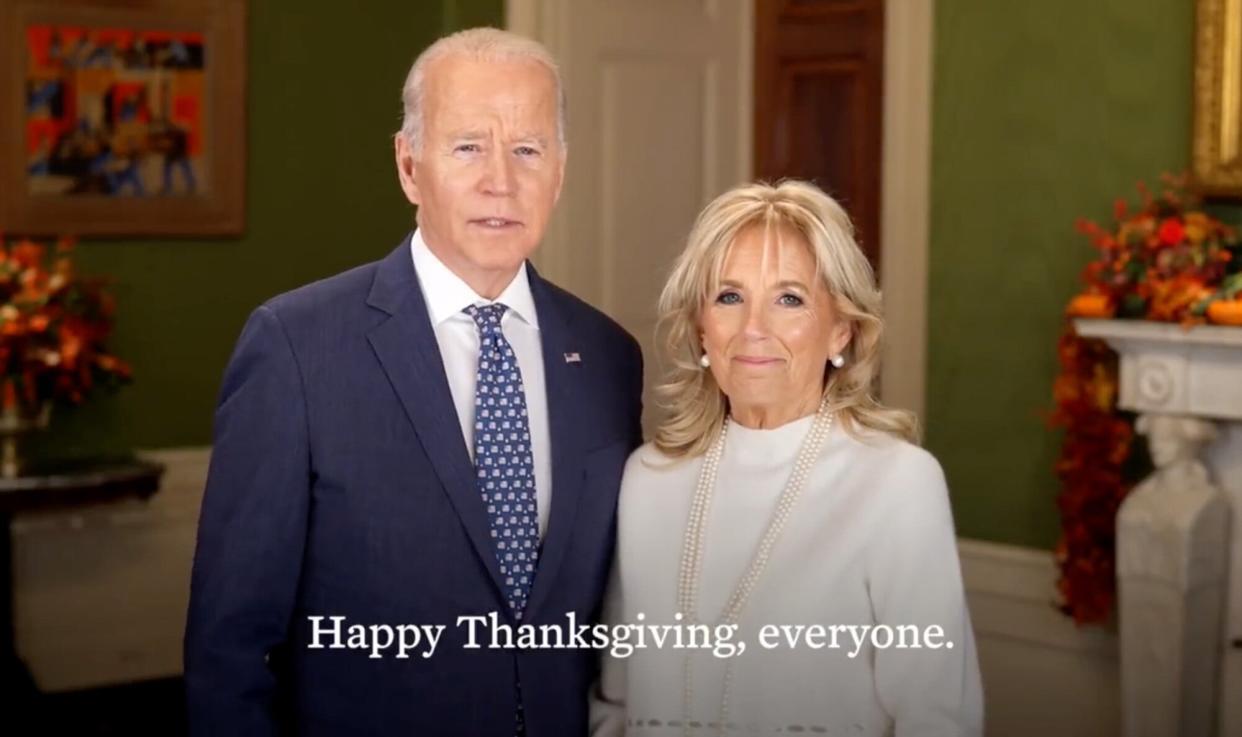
x,y
1179,547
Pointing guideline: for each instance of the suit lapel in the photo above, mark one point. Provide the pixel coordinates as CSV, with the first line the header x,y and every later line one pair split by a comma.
x,y
563,386
409,354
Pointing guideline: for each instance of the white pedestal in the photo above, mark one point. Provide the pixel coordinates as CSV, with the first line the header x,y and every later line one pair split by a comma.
x,y
1179,541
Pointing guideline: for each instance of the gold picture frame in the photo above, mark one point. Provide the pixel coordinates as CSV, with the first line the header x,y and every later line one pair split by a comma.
x,y
1216,149
122,118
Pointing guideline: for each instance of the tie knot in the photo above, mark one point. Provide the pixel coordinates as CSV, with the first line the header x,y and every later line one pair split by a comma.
x,y
487,317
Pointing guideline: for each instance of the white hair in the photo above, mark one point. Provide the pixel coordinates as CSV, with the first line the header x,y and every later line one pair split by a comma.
x,y
483,44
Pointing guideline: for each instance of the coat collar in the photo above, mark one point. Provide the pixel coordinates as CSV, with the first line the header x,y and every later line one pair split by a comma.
x,y
406,347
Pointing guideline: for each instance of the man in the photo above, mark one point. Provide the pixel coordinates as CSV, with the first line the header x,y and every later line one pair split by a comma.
x,y
436,435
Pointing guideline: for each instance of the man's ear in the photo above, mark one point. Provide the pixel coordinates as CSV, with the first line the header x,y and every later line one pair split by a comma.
x,y
404,154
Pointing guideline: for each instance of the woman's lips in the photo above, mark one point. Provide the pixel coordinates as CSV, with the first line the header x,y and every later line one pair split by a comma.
x,y
756,360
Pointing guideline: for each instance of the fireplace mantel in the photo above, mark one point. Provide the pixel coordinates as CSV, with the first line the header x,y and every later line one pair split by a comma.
x,y
1181,634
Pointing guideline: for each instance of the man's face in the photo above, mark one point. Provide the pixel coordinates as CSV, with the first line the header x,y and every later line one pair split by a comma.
x,y
490,166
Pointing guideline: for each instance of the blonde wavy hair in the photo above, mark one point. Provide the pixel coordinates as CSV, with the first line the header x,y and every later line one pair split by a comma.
x,y
695,407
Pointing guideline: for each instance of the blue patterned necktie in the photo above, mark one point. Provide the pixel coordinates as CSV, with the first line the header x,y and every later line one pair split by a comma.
x,y
503,461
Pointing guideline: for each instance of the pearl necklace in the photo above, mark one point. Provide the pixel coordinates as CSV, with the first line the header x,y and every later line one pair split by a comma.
x,y
695,542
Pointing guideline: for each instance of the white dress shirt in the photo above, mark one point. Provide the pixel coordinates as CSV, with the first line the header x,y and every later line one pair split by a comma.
x,y
446,295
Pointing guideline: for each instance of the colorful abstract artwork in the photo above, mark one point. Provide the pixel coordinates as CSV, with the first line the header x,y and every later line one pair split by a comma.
x,y
122,118
114,111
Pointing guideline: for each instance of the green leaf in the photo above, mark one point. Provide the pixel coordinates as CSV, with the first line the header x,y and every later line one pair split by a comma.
x,y
1132,306
1231,287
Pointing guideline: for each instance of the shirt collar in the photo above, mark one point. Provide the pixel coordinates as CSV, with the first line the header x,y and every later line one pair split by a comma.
x,y
447,294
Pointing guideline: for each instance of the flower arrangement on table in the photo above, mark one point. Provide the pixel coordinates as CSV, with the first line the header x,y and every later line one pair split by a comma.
x,y
1165,261
54,325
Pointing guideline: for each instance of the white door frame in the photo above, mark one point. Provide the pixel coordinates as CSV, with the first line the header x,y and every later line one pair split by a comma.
x,y
905,178
905,181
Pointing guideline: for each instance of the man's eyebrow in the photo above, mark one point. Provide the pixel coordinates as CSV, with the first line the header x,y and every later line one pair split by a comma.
x,y
538,138
479,135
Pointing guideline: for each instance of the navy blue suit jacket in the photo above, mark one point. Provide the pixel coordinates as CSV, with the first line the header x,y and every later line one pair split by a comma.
x,y
340,485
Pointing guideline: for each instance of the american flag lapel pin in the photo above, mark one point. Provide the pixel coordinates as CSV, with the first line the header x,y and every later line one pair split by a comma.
x,y
573,358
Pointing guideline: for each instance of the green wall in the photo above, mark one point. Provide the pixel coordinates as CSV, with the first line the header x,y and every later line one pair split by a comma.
x,y
1043,112
323,100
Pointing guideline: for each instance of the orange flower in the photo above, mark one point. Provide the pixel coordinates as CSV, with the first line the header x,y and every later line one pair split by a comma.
x,y
27,254
1195,234
70,346
1172,298
1103,387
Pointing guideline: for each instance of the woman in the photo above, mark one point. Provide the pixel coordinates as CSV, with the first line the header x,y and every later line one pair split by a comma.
x,y
778,494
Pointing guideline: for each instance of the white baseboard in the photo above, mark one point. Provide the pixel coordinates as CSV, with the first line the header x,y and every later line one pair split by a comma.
x,y
1042,675
102,594
1020,583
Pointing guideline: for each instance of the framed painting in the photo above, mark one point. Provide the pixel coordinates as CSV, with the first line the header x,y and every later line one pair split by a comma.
x,y
1216,148
122,117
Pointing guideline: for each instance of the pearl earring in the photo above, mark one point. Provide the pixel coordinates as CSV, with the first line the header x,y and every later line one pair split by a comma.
x,y
838,360
704,361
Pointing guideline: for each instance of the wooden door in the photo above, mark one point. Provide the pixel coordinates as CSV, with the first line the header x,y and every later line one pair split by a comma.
x,y
818,90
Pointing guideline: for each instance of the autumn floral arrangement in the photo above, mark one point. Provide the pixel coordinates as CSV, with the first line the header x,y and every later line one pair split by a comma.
x,y
1165,260
54,325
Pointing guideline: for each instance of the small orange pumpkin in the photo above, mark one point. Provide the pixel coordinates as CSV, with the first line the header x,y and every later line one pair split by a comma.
x,y
1225,312
1090,305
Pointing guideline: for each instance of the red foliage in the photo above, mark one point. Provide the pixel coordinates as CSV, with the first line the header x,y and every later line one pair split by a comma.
x,y
1095,446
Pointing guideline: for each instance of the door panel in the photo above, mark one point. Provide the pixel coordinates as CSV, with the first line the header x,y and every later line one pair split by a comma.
x,y
819,69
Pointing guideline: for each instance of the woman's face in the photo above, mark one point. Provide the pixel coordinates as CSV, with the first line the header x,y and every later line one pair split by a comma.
x,y
770,328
